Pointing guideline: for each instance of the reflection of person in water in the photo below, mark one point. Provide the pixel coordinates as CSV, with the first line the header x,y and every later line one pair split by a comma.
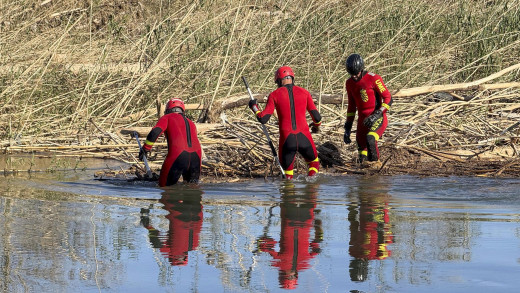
x,y
370,231
296,249
185,217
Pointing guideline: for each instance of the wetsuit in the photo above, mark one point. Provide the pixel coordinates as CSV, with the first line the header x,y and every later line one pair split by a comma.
x,y
368,95
184,150
291,103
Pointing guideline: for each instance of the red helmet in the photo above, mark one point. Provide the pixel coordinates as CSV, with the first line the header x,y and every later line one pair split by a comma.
x,y
283,72
175,103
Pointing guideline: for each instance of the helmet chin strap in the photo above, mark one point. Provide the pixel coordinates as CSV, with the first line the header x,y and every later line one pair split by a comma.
x,y
280,83
177,110
174,110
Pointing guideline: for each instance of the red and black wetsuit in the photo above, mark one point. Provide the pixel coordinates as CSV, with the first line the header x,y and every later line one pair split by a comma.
x,y
185,217
184,150
367,95
291,103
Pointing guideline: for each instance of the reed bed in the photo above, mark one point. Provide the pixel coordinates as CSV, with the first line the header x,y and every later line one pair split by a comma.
x,y
72,72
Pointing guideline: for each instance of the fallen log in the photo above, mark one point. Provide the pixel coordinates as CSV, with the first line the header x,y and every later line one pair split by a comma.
x,y
72,147
477,84
143,131
337,99
243,99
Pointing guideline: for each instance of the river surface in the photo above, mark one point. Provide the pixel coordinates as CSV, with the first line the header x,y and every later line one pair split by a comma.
x,y
68,232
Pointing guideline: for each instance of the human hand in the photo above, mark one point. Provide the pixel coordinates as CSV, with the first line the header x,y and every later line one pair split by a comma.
x,y
142,154
253,105
346,137
315,128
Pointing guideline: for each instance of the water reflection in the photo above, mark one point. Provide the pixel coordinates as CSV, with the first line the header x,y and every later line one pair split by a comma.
x,y
370,234
185,222
295,246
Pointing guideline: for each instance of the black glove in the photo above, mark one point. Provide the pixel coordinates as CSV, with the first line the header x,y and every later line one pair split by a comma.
x,y
253,105
143,153
315,128
346,137
348,129
370,120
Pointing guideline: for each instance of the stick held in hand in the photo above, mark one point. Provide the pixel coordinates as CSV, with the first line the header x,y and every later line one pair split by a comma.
x,y
264,129
148,170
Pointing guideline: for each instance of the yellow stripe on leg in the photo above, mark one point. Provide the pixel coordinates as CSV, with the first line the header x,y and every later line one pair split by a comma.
x,y
374,135
315,160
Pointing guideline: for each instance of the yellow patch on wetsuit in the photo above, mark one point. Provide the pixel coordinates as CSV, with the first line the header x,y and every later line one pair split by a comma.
x,y
376,124
364,95
380,85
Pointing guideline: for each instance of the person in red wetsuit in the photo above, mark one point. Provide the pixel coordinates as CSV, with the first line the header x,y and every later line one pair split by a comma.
x,y
185,217
368,94
296,248
291,103
184,150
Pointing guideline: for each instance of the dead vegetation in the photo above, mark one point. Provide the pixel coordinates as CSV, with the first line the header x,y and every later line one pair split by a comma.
x,y
437,134
73,74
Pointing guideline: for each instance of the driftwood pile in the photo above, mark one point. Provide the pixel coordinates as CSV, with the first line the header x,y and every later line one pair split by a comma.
x,y
472,129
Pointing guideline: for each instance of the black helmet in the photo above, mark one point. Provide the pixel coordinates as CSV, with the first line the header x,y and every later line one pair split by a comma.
x,y
354,64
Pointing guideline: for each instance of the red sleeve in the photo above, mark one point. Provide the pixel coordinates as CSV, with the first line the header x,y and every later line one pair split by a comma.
x,y
156,131
383,91
264,116
313,111
351,109
310,103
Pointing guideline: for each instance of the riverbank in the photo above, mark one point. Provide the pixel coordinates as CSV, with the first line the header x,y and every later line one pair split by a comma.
x,y
235,151
76,74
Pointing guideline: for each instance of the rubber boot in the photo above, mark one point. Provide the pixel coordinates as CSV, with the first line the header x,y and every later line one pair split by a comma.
x,y
361,159
372,165
314,168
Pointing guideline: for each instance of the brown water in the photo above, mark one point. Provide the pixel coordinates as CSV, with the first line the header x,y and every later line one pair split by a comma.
x,y
66,232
